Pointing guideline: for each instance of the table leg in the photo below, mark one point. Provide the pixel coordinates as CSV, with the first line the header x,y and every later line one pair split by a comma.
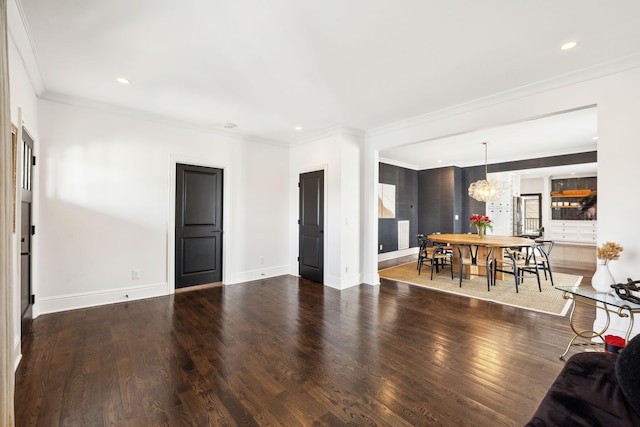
x,y
586,334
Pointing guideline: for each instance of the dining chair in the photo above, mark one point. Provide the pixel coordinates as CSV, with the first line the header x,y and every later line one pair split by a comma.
x,y
468,255
516,262
542,250
436,254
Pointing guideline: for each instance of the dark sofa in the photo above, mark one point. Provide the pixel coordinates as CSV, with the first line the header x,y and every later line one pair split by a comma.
x,y
594,389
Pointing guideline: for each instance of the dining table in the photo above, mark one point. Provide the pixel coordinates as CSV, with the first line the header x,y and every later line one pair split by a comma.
x,y
482,244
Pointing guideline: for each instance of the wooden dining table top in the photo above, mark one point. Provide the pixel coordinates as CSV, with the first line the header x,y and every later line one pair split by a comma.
x,y
487,240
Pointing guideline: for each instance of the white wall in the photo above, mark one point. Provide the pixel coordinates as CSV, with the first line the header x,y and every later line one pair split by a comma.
x,y
107,185
532,185
337,152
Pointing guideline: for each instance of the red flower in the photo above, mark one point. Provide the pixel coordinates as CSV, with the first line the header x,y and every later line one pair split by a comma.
x,y
481,220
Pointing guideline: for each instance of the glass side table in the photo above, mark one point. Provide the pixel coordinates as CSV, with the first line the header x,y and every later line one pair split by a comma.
x,y
609,302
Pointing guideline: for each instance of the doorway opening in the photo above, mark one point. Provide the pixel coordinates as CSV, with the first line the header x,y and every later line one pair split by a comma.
x,y
27,230
532,214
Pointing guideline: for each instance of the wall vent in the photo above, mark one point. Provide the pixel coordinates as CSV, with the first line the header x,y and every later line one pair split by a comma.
x,y
403,235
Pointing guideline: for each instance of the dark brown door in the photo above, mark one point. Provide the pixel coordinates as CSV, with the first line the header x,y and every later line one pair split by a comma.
x,y
198,225
311,226
26,231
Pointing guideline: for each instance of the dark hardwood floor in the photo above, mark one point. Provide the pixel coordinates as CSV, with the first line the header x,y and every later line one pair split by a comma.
x,y
285,351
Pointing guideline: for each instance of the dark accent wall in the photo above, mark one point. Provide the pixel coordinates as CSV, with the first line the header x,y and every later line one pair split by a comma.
x,y
431,198
406,182
440,199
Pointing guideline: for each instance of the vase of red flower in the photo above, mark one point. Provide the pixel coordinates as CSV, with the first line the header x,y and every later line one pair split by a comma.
x,y
482,222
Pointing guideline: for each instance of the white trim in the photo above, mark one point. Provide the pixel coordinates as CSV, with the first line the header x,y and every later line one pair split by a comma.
x,y
397,254
21,36
171,214
341,283
97,298
251,275
18,358
154,118
400,164
556,82
327,133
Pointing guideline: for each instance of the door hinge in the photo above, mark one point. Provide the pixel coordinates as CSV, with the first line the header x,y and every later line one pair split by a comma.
x,y
33,160
298,184
33,299
298,259
298,222
33,230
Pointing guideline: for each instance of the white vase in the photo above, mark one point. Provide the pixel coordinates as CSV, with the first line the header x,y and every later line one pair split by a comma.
x,y
602,279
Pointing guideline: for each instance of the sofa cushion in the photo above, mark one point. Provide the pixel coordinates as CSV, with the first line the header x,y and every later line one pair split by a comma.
x,y
628,373
586,393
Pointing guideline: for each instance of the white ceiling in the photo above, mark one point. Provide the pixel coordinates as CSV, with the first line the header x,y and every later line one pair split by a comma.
x,y
270,66
557,134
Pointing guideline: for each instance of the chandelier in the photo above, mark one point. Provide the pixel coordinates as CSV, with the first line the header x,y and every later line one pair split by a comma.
x,y
485,190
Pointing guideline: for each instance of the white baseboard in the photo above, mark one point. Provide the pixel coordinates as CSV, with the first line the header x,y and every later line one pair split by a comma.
x,y
17,352
92,299
397,254
341,283
263,273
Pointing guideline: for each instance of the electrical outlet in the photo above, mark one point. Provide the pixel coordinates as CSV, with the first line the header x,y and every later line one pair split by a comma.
x,y
380,247
135,274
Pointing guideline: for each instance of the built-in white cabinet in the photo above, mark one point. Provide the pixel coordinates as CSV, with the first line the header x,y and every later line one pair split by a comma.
x,y
571,231
501,211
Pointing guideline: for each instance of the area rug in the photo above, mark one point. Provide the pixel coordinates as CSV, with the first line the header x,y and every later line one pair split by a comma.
x,y
548,301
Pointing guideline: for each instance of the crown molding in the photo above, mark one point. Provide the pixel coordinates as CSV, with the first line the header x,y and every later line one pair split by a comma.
x,y
399,164
21,37
494,160
568,79
337,130
155,118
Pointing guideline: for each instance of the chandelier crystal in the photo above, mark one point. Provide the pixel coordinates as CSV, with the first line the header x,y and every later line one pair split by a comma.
x,y
485,190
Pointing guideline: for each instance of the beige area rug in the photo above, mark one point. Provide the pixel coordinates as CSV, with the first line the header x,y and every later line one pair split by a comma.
x,y
549,300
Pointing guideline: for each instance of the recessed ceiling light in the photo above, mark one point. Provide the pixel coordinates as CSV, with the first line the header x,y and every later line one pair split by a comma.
x,y
230,125
439,161
595,138
569,45
123,80
298,127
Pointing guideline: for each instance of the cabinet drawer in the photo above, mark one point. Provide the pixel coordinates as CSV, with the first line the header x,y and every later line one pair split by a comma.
x,y
588,238
588,232
566,237
565,223
564,230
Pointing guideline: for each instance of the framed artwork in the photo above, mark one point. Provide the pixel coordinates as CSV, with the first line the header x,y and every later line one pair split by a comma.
x,y
386,201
